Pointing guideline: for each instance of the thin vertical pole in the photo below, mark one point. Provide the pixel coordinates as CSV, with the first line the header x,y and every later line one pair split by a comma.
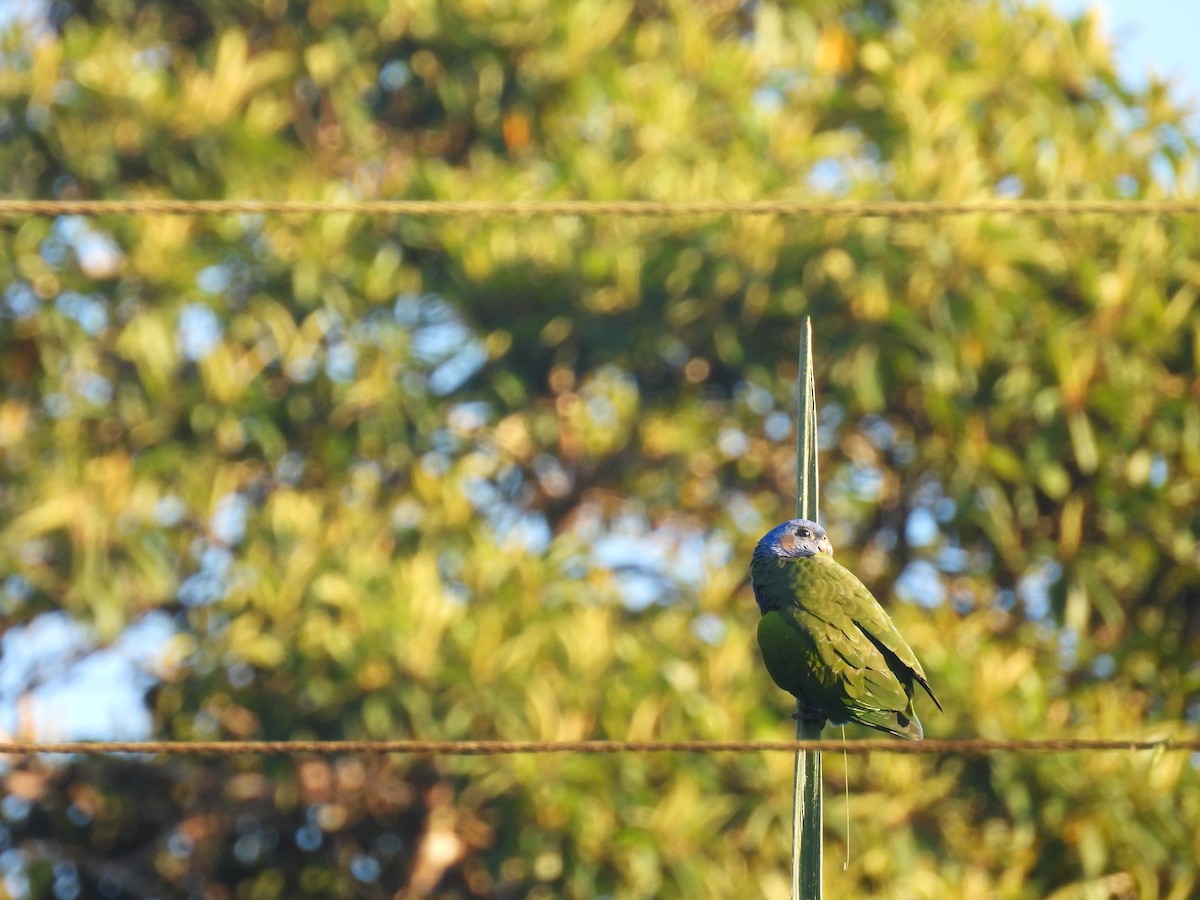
x,y
806,798
807,491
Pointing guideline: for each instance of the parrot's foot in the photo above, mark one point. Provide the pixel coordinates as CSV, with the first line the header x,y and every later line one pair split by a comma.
x,y
808,712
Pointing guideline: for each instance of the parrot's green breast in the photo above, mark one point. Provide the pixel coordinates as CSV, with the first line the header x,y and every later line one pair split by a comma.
x,y
828,642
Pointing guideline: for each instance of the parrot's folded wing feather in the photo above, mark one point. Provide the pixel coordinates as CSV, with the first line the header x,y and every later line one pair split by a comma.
x,y
864,610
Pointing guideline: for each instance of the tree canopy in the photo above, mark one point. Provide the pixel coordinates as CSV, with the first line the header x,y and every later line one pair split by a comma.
x,y
491,477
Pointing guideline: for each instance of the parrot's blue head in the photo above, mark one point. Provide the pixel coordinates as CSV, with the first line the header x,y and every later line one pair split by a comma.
x,y
796,538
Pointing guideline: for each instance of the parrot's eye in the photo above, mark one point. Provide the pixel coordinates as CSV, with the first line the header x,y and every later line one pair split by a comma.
x,y
803,532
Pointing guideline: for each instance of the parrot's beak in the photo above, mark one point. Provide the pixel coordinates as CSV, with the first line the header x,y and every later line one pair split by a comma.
x,y
823,546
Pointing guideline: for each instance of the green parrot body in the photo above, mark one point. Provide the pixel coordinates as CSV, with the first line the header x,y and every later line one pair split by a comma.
x,y
826,640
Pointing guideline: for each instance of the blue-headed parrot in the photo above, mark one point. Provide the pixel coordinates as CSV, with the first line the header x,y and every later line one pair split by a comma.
x,y
826,640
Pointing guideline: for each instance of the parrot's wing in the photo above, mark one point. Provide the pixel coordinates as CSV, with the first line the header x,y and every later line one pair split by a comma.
x,y
795,650
823,576
810,643
859,668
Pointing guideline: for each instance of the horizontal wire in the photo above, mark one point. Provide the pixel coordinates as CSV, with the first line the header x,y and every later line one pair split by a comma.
x,y
960,746
527,208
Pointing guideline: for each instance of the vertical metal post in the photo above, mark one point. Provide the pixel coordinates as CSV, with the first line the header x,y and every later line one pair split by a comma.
x,y
806,798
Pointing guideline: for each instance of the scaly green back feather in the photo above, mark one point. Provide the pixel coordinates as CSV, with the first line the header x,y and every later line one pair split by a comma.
x,y
828,642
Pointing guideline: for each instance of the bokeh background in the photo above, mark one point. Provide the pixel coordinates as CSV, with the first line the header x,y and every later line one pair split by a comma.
x,y
340,477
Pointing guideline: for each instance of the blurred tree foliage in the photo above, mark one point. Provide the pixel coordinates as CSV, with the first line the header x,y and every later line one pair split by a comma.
x,y
477,478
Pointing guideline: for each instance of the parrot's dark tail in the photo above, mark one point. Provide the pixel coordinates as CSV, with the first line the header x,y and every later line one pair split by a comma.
x,y
900,724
